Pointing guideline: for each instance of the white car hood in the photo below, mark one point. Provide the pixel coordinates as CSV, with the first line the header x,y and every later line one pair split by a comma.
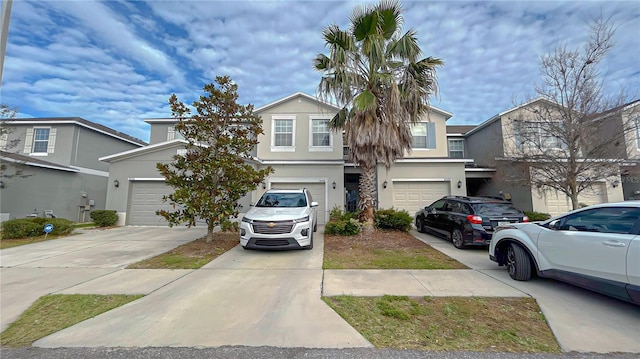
x,y
276,213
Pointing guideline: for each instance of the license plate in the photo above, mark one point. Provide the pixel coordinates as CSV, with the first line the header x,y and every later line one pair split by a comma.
x,y
502,223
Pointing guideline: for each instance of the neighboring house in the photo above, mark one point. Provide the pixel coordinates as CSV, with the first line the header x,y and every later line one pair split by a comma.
x,y
497,138
304,152
59,157
626,119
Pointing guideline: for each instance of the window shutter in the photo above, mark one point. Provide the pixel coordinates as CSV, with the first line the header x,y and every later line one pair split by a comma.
x,y
52,140
3,140
28,141
431,135
171,133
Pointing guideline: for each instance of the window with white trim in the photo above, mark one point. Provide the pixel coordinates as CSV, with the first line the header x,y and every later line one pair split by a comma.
x,y
173,134
40,140
283,134
456,148
424,135
320,134
537,135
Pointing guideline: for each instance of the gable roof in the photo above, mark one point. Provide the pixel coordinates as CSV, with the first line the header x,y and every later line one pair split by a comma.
x,y
498,116
80,122
143,150
33,161
291,97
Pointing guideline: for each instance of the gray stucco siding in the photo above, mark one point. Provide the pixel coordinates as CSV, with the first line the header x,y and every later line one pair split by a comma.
x,y
48,189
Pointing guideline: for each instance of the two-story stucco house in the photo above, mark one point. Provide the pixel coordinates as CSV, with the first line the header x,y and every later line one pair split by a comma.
x,y
303,152
59,157
497,139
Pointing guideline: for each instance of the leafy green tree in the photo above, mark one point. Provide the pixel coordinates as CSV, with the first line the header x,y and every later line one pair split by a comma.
x,y
377,75
17,169
217,169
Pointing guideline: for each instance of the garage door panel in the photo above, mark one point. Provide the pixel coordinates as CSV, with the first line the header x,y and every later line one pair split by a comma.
x,y
146,199
412,196
558,203
317,191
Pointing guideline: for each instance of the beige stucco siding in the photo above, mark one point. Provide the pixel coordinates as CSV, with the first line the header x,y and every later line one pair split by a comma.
x,y
302,110
441,149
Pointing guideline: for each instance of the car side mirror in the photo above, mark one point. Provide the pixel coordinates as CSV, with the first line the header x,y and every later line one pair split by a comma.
x,y
433,210
314,204
555,225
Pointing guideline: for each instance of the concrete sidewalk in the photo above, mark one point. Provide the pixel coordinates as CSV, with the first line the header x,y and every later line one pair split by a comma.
x,y
257,298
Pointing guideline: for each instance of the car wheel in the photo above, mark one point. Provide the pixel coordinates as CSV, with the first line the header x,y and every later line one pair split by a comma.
x,y
310,246
518,262
457,238
419,225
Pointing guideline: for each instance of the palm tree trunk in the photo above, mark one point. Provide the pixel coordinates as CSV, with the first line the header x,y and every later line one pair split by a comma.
x,y
367,196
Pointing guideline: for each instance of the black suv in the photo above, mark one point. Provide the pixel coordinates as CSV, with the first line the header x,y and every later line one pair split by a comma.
x,y
467,220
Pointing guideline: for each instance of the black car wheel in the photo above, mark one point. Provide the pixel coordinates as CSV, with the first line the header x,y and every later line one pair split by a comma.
x,y
419,225
310,246
457,238
518,262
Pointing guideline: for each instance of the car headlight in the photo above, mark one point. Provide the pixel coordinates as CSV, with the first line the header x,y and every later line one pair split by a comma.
x,y
303,219
245,219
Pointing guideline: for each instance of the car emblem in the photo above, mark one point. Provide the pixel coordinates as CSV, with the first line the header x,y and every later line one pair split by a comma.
x,y
271,224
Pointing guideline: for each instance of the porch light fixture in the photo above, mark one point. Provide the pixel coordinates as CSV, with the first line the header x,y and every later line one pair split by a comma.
x,y
615,183
264,185
1,184
334,184
459,184
384,184
116,183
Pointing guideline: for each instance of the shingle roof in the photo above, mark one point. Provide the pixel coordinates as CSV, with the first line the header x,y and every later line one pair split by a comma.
x,y
459,129
86,123
33,161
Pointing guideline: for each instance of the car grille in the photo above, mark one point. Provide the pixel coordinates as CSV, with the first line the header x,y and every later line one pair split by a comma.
x,y
272,227
271,242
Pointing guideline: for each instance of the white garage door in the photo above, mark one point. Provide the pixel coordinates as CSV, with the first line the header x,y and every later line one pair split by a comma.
x,y
558,202
317,192
412,196
146,199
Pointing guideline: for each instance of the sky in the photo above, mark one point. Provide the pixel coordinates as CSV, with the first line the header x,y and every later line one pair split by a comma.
x,y
117,62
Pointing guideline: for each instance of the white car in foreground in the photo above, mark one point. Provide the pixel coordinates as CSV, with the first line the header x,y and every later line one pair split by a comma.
x,y
281,219
596,247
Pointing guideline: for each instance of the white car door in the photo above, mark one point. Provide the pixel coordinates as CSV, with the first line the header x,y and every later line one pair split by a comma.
x,y
592,242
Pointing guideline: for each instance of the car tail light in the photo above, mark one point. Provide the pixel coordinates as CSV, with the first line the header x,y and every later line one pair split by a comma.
x,y
525,219
474,219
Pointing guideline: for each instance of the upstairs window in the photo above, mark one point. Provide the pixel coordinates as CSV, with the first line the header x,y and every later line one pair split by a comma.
x,y
40,140
283,134
456,148
173,134
424,135
321,134
538,135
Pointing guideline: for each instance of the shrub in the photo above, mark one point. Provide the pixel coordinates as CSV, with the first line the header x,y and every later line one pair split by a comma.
x,y
336,213
34,227
343,227
230,226
104,217
393,219
537,216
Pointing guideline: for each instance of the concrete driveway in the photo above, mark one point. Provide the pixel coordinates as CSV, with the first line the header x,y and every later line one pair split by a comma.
x,y
250,298
580,319
31,271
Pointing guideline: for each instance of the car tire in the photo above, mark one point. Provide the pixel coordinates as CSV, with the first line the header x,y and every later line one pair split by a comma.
x,y
245,248
457,238
518,262
310,246
419,225
315,227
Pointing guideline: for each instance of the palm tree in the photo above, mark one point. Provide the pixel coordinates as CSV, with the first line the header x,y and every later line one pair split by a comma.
x,y
374,73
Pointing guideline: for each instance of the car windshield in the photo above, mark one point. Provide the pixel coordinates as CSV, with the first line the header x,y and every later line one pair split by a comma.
x,y
282,200
499,209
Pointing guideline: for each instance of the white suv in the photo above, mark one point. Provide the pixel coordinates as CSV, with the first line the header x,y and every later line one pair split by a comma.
x,y
281,219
